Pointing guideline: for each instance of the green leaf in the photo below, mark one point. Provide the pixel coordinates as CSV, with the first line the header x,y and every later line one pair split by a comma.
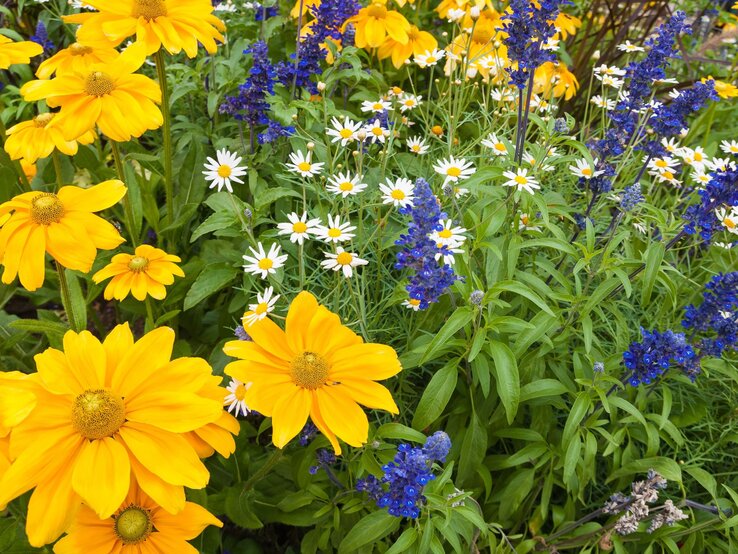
x,y
368,530
667,467
541,388
705,479
211,280
571,459
216,222
38,326
458,319
653,258
522,290
578,410
436,396
405,541
77,299
473,450
398,431
239,509
507,378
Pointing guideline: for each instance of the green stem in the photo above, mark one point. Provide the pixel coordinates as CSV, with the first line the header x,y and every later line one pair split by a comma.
x,y
167,131
263,470
127,198
57,168
67,298
149,314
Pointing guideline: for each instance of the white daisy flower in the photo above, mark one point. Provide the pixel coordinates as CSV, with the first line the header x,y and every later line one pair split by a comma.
x,y
303,165
729,147
235,399
345,185
627,46
701,178
460,192
447,253
613,71
263,263
521,180
335,231
657,165
671,145
264,306
410,102
667,176
524,223
450,236
601,102
551,44
640,228
498,147
411,304
221,171
343,131
720,164
406,122
534,164
667,81
342,260
417,145
429,58
454,169
614,82
395,92
376,132
399,193
693,157
584,170
297,227
455,14
724,245
503,95
729,219
375,106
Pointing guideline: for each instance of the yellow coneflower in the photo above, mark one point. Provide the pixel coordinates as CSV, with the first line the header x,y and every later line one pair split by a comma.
x,y
62,224
375,23
418,43
174,24
17,52
317,368
76,58
110,95
37,138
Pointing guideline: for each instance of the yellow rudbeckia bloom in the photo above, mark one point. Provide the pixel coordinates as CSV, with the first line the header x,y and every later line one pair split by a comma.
x,y
418,43
723,89
76,58
306,5
139,526
17,52
110,95
555,78
108,413
174,24
316,367
375,22
62,224
217,436
147,271
37,138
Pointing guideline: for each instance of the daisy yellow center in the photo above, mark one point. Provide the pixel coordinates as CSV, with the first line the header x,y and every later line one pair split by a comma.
x,y
42,120
697,157
729,223
133,525
377,106
304,166
445,234
309,370
410,102
334,232
346,133
240,392
344,258
524,219
414,302
397,90
519,179
346,186
377,10
138,264
97,414
299,227
224,171
587,171
46,209
668,175
99,84
397,194
453,171
261,308
501,147
78,49
431,59
415,148
265,263
149,9
378,131
661,163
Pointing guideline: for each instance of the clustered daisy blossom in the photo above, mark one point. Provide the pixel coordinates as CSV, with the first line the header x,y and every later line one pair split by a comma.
x,y
264,305
342,260
298,228
262,263
224,169
521,180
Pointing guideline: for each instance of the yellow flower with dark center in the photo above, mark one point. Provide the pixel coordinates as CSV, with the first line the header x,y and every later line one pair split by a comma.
x,y
139,526
110,95
108,413
76,58
147,271
418,43
375,22
174,24
62,224
17,52
316,367
37,138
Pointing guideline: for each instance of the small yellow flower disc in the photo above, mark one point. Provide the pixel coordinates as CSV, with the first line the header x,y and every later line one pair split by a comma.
x,y
344,258
46,209
453,172
78,49
42,120
265,263
309,370
334,232
397,194
138,264
98,84
149,9
224,171
299,227
97,414
304,166
133,525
